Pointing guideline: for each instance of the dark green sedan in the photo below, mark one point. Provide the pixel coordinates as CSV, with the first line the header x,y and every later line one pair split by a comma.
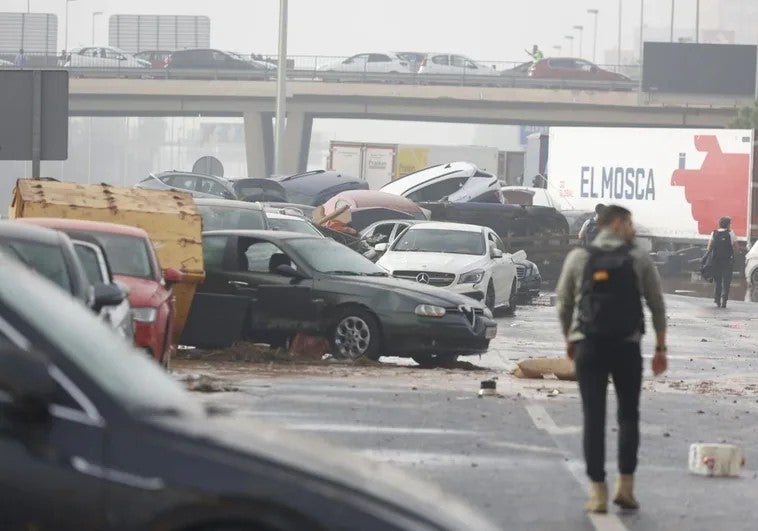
x,y
267,286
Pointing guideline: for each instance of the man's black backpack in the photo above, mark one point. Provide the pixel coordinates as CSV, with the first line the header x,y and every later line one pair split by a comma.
x,y
611,304
723,252
591,232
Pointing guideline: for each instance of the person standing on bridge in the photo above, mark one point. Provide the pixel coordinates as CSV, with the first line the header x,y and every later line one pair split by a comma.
x,y
605,284
20,60
536,54
723,246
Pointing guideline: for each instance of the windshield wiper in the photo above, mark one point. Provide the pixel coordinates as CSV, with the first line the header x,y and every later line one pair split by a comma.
x,y
377,274
345,273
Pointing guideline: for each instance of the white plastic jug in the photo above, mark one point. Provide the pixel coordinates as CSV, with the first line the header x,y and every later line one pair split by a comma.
x,y
708,459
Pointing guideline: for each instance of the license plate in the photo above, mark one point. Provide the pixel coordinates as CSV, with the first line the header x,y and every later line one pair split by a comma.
x,y
490,332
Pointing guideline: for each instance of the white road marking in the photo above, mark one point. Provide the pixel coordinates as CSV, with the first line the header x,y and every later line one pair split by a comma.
x,y
543,421
352,428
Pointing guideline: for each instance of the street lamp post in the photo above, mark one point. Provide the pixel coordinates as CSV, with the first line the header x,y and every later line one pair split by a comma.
x,y
671,27
65,41
94,15
618,51
594,38
281,90
580,29
570,38
697,21
642,37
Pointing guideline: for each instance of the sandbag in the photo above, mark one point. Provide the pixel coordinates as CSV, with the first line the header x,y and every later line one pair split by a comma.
x,y
561,368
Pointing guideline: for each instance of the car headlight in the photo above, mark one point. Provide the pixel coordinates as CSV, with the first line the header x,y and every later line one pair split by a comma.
x,y
427,310
472,277
144,315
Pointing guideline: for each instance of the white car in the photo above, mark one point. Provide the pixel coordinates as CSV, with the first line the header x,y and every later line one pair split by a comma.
x,y
454,65
466,259
389,62
751,272
457,182
104,57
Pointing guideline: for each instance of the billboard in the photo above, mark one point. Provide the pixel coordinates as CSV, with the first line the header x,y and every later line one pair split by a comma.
x,y
136,33
686,68
36,33
676,182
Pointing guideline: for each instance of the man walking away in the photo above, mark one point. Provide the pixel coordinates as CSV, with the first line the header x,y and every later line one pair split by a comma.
x,y
723,246
590,228
605,283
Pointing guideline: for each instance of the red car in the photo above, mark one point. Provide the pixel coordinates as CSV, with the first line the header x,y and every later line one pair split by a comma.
x,y
156,58
134,262
571,68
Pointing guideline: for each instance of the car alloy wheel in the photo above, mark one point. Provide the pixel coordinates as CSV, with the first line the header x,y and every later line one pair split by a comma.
x,y
356,336
512,298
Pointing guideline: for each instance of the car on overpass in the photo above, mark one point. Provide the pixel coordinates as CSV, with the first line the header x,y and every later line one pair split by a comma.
x,y
103,57
383,62
210,59
453,65
570,68
156,58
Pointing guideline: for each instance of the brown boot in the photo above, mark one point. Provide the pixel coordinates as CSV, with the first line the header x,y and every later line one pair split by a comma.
x,y
624,497
598,501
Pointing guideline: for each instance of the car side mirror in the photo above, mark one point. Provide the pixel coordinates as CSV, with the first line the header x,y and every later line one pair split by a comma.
x,y
496,253
107,295
26,387
172,276
381,247
289,271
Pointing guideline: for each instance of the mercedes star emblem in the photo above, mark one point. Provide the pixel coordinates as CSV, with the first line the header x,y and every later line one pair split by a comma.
x,y
423,278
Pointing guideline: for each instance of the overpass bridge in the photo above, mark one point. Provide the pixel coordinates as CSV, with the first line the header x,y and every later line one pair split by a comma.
x,y
254,101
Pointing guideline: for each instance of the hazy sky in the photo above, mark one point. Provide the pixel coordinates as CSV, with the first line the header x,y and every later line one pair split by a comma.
x,y
491,30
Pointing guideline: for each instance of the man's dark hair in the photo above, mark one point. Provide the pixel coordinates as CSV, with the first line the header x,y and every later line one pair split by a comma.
x,y
725,222
599,208
611,213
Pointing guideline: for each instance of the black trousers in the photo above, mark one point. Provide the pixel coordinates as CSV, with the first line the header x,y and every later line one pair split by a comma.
x,y
722,278
595,360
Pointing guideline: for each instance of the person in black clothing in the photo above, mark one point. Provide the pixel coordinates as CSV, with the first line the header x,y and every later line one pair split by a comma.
x,y
590,228
723,246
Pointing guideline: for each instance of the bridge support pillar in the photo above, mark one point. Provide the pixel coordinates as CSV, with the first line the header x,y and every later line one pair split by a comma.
x,y
259,143
297,141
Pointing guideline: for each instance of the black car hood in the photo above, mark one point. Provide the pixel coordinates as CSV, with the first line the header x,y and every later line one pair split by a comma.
x,y
259,441
422,293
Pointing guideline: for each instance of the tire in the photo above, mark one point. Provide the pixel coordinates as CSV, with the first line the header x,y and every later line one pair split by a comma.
x,y
431,361
356,334
511,310
489,298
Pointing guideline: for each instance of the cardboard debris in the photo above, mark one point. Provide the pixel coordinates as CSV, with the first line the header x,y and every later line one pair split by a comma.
x,y
545,368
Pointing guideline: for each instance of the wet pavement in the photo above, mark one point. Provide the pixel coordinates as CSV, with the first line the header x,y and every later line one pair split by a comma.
x,y
517,457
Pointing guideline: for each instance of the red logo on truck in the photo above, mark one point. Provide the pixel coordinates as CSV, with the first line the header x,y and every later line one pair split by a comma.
x,y
719,188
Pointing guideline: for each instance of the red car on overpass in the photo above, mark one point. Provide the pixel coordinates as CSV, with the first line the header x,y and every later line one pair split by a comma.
x,y
134,262
572,69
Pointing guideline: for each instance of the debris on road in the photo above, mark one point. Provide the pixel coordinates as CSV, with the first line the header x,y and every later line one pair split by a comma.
x,y
545,368
202,383
711,460
488,388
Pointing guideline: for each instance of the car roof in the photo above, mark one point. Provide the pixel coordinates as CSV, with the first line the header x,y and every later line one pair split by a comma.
x,y
29,232
315,181
402,184
279,215
441,225
231,203
193,174
262,234
358,199
86,225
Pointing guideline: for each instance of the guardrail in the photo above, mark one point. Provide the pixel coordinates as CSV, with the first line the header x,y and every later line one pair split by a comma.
x,y
316,68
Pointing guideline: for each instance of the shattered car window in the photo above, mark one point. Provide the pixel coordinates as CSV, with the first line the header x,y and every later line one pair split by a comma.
x,y
440,241
328,256
259,255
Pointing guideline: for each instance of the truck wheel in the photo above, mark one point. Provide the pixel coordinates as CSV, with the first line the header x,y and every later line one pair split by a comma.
x,y
512,299
489,299
356,335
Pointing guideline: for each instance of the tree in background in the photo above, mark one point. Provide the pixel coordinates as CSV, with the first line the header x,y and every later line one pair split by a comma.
x,y
747,118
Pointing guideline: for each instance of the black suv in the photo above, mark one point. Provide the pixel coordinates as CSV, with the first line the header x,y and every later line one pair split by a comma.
x,y
208,59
